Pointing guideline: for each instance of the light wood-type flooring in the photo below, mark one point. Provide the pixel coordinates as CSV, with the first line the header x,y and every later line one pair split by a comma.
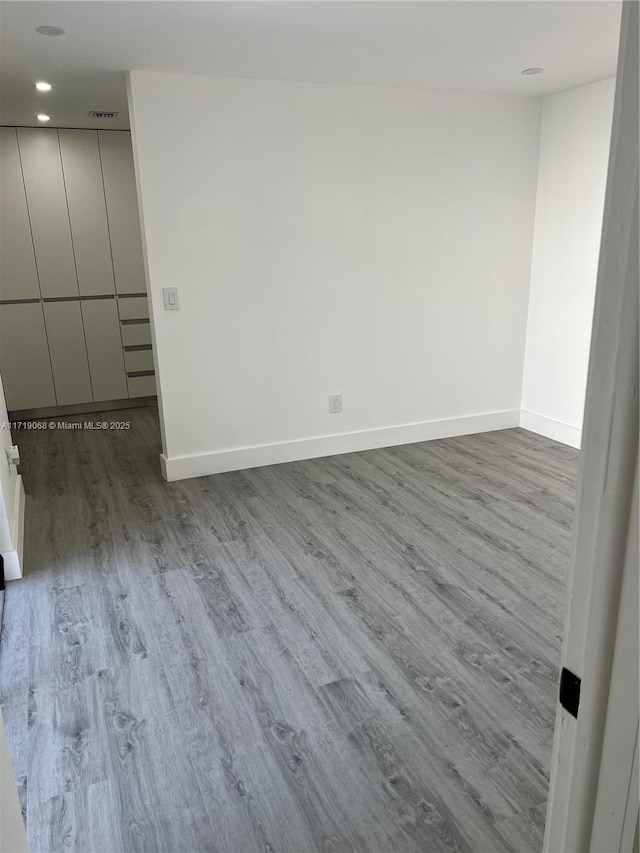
x,y
357,653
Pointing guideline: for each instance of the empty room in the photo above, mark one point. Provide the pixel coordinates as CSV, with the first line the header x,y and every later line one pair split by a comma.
x,y
319,408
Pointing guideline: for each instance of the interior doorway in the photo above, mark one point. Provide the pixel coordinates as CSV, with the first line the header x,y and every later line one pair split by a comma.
x,y
74,320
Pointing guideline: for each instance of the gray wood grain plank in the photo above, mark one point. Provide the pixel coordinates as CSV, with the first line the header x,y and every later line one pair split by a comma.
x,y
356,653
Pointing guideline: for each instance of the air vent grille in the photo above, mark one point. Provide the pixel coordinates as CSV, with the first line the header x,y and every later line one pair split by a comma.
x,y
102,114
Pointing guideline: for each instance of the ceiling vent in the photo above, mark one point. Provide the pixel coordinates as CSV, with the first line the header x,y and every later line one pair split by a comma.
x,y
102,114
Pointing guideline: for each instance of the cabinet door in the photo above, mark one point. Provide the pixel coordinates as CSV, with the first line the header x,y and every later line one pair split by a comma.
x,y
68,352
122,210
47,203
138,359
104,348
18,274
24,357
87,210
133,308
136,333
142,386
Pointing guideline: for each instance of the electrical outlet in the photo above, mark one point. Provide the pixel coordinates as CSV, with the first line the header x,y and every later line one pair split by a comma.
x,y
335,404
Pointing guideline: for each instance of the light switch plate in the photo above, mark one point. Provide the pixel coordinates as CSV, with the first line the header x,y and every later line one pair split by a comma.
x,y
170,296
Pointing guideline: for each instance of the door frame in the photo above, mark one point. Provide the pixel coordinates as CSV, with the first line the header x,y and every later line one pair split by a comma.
x,y
593,798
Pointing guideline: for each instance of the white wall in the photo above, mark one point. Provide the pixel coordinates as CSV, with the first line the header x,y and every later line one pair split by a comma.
x,y
574,153
11,501
7,472
12,834
326,239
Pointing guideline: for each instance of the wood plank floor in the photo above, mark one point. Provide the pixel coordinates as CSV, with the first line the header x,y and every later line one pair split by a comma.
x,y
356,653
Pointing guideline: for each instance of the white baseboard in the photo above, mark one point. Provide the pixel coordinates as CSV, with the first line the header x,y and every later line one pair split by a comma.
x,y
13,564
199,465
557,430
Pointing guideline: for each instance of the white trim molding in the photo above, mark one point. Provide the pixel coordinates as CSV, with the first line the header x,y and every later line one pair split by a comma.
x,y
593,792
236,459
551,428
13,564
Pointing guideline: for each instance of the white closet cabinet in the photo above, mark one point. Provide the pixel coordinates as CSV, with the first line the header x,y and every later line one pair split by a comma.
x,y
87,211
74,325
47,202
104,349
24,357
18,274
68,352
122,210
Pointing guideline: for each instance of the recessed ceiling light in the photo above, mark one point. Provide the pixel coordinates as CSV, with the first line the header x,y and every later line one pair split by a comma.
x,y
43,117
41,86
530,71
50,31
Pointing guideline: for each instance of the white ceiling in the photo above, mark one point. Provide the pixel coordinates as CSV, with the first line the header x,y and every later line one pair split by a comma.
x,y
455,44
